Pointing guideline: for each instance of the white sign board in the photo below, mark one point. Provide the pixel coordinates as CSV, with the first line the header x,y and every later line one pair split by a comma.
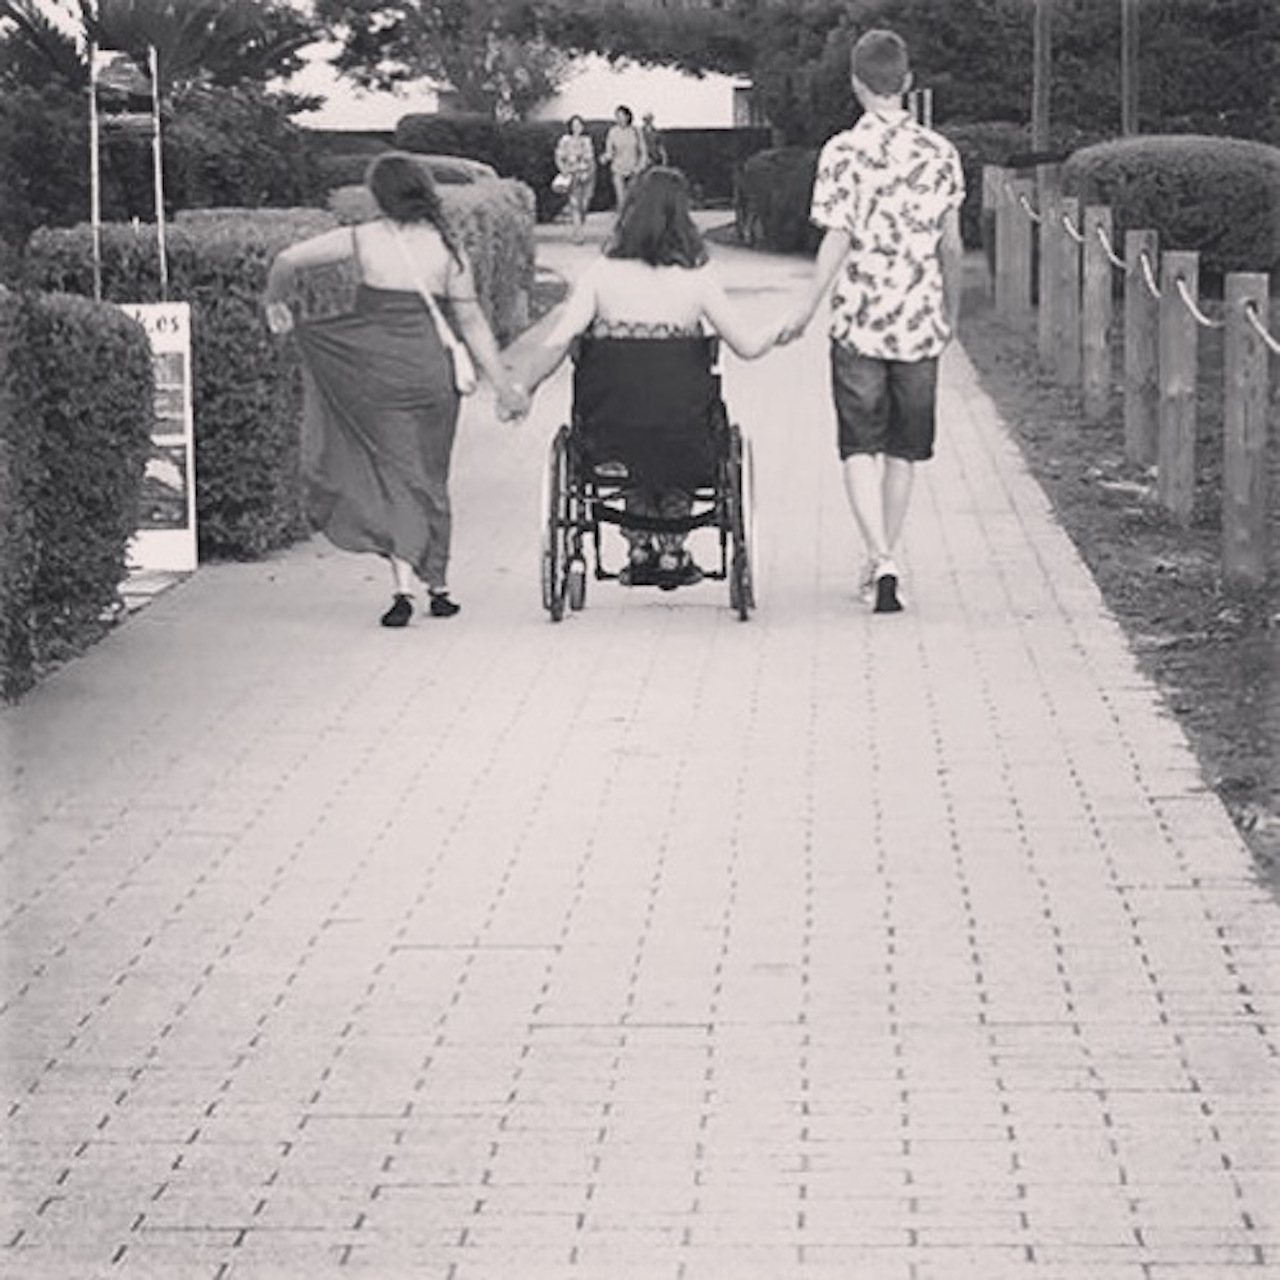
x,y
166,537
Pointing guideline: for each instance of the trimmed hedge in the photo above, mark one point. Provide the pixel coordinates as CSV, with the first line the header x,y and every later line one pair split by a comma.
x,y
246,389
349,170
711,157
525,150
772,200
76,410
1220,196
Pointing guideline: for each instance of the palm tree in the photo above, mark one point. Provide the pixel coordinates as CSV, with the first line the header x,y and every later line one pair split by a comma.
x,y
224,42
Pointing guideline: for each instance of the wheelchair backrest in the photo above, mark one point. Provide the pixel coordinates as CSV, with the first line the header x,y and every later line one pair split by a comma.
x,y
625,385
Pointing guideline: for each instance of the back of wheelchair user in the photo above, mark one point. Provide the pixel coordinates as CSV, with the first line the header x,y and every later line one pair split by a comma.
x,y
646,412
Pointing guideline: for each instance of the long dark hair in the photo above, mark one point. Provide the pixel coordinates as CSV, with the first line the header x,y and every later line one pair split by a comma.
x,y
404,191
655,225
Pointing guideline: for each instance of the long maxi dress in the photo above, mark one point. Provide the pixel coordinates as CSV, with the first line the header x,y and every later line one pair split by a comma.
x,y
380,417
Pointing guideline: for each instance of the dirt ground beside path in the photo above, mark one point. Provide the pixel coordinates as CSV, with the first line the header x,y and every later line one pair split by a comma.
x,y
1214,653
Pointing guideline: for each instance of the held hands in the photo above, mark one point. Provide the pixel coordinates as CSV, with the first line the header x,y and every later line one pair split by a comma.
x,y
792,326
279,318
514,401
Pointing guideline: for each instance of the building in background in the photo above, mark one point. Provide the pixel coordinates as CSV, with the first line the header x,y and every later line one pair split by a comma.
x,y
677,99
596,87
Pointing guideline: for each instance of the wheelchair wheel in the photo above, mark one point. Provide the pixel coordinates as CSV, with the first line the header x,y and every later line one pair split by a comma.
x,y
742,592
555,526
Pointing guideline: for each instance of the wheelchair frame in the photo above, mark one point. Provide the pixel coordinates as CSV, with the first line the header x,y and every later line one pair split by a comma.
x,y
580,498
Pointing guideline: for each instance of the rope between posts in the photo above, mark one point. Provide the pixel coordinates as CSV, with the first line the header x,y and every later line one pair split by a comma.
x,y
1251,314
1144,260
1071,229
1027,209
1207,322
1109,249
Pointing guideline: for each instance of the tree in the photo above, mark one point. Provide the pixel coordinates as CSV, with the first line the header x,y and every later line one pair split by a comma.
x,y
223,42
492,53
227,139
796,51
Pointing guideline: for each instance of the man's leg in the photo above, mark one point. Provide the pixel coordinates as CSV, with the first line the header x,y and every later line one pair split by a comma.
x,y
879,490
864,486
899,475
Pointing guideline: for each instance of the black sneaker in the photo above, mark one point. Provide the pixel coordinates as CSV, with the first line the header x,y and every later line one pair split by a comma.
x,y
641,570
400,612
678,569
887,600
442,607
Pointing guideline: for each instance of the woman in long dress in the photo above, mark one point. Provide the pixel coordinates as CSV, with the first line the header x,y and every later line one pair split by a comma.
x,y
380,403
576,162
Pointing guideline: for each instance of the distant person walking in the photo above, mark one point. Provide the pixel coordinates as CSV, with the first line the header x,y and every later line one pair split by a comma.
x,y
654,144
380,400
624,152
576,165
887,195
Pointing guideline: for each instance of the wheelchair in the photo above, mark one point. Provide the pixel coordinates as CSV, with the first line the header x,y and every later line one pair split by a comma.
x,y
646,411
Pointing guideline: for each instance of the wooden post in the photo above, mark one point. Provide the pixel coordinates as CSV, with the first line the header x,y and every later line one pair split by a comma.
x,y
1244,472
1141,350
1096,314
996,221
1067,322
1179,357
1049,202
1020,240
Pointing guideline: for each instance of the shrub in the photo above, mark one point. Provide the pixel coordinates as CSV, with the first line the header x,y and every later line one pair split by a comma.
x,y
44,139
494,218
246,389
221,146
473,136
518,149
710,158
76,405
448,171
1220,196
995,143
225,147
773,197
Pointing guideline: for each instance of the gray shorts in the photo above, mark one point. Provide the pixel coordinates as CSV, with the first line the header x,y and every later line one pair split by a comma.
x,y
884,406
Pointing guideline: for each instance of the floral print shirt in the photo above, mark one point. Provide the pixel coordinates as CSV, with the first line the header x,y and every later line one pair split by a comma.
x,y
889,183
576,156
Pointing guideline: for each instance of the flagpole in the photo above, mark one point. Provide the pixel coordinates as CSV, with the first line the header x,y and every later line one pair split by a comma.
x,y
95,175
158,163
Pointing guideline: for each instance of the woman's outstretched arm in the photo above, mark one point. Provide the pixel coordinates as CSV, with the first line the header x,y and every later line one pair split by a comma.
x,y
539,352
513,399
745,339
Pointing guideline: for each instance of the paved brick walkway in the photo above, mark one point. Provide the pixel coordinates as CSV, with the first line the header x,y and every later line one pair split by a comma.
x,y
648,945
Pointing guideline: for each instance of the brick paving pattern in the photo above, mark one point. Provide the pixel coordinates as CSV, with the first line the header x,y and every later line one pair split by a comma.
x,y
652,944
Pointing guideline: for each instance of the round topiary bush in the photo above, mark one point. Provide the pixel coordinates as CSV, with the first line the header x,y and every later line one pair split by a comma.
x,y
772,198
1220,196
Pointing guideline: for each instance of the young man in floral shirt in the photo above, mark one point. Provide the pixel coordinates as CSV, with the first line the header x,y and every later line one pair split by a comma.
x,y
887,196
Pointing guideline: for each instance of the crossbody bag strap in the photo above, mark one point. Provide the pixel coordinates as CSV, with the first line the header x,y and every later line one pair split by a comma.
x,y
443,327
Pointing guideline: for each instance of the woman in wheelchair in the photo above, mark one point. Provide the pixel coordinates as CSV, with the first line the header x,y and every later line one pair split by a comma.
x,y
655,280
